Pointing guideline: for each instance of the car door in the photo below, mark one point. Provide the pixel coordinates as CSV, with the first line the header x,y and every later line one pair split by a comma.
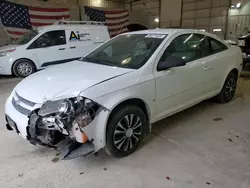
x,y
180,87
217,62
51,48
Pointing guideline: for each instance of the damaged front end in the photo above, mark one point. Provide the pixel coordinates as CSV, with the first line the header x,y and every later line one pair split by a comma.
x,y
60,124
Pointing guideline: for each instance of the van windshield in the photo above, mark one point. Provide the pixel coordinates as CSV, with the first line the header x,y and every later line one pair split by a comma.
x,y
127,51
26,37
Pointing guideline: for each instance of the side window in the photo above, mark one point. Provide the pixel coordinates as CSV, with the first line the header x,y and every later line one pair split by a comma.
x,y
217,46
187,47
108,51
51,38
206,47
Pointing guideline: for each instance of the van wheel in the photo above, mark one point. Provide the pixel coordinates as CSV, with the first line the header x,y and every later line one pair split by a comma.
x,y
23,68
228,91
125,131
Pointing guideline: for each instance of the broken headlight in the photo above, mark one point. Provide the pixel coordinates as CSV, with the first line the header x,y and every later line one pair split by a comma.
x,y
52,107
77,110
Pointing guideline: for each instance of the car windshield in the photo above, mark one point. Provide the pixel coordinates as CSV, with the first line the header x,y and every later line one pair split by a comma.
x,y
127,51
26,37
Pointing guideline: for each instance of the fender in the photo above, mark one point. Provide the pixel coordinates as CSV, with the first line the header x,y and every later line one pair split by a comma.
x,y
237,63
140,91
97,130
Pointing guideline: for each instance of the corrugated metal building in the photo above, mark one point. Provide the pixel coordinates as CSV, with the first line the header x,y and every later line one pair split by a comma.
x,y
210,15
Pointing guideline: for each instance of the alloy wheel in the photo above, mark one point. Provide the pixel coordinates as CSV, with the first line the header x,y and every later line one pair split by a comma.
x,y
128,132
24,68
230,88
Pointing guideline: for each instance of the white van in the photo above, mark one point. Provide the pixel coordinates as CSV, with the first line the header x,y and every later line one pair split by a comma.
x,y
51,45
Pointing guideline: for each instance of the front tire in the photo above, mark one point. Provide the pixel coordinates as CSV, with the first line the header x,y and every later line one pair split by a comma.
x,y
23,68
228,91
125,131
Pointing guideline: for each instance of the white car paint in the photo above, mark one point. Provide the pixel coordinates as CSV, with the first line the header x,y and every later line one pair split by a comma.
x,y
59,85
91,36
164,93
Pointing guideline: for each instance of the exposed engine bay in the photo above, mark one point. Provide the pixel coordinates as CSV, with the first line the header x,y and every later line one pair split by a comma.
x,y
58,122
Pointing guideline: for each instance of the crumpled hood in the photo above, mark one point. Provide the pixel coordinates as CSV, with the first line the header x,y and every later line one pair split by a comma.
x,y
66,80
8,47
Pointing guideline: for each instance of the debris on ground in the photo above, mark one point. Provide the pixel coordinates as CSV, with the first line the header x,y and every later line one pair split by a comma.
x,y
81,173
56,159
105,169
218,119
230,140
20,175
58,154
208,183
168,178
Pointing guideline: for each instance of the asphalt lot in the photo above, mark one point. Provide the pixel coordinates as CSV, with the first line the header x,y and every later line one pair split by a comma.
x,y
204,146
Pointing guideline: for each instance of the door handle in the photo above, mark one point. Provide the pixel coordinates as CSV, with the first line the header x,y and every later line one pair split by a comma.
x,y
72,47
207,68
61,48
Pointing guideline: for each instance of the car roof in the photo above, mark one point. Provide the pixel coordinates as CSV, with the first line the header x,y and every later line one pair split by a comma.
x,y
170,32
160,31
174,31
70,26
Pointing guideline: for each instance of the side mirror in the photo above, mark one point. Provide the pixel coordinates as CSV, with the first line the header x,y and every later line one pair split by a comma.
x,y
169,62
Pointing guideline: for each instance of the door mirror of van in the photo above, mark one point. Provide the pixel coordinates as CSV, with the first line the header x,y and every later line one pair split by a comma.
x,y
170,62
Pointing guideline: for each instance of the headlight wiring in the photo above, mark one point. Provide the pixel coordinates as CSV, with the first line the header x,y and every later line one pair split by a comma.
x,y
78,110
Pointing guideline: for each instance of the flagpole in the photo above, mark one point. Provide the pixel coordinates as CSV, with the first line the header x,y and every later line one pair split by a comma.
x,y
5,31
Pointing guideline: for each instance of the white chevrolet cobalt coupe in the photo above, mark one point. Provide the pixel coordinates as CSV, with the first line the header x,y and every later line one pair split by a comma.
x,y
110,98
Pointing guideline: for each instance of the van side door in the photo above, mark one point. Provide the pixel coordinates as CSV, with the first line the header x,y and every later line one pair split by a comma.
x,y
100,36
80,41
51,48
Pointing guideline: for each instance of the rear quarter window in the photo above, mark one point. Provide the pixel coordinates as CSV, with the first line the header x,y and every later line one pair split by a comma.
x,y
217,46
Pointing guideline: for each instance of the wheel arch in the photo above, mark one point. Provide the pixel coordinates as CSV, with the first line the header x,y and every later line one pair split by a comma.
x,y
12,67
235,71
132,101
229,70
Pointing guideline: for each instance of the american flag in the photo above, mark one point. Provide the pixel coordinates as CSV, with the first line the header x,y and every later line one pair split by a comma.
x,y
116,20
17,19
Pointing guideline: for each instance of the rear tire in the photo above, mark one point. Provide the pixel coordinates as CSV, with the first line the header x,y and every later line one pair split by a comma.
x,y
228,91
126,130
23,68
